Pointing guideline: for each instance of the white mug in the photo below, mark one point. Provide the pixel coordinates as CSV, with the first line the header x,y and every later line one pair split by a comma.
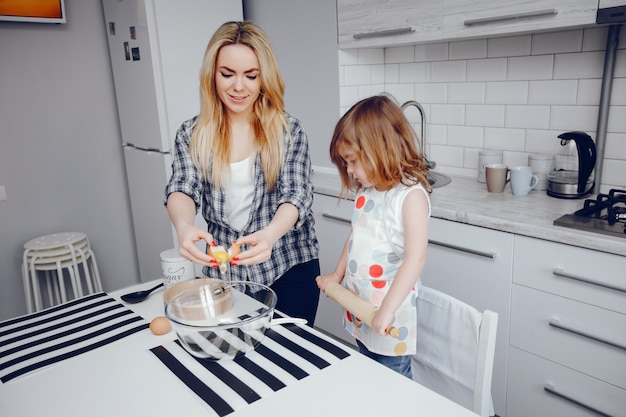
x,y
175,268
523,180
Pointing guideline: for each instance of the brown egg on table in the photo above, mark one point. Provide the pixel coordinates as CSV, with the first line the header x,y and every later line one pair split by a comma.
x,y
160,325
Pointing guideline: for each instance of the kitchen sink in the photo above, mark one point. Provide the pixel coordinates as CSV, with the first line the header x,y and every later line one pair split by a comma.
x,y
437,179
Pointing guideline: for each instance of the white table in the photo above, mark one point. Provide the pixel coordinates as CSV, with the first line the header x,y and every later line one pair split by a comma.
x,y
123,378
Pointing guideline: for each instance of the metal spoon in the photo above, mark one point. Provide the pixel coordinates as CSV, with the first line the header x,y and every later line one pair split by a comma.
x,y
138,296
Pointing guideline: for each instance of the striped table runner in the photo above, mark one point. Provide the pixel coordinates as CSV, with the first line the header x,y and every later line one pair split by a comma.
x,y
287,354
31,342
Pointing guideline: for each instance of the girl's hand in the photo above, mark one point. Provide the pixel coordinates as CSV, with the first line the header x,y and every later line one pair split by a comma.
x,y
323,280
381,320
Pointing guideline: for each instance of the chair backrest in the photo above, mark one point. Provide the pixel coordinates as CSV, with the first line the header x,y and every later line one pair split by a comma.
x,y
455,350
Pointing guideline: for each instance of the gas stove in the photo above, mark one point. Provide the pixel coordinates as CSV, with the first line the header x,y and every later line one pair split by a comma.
x,y
606,214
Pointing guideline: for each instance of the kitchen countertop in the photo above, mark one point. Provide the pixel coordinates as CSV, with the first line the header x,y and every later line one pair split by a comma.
x,y
465,200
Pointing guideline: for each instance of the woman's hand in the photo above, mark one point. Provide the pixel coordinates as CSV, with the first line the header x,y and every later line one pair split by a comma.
x,y
188,235
260,248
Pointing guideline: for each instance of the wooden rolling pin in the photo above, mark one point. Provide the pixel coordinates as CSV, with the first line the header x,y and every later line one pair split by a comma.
x,y
356,305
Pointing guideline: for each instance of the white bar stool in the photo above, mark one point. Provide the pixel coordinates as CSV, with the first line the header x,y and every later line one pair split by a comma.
x,y
53,255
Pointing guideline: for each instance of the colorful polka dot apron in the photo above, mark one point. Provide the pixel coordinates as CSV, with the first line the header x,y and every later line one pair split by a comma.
x,y
375,253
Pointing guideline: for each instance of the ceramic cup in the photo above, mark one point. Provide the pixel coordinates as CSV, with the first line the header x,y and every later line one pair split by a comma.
x,y
487,156
175,268
523,180
496,176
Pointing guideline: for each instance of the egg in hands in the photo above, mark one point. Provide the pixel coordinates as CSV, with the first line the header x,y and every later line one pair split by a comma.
x,y
223,256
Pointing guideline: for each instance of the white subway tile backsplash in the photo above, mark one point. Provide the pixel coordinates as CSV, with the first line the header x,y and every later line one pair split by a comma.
x,y
468,93
357,74
431,52
484,115
594,39
513,93
566,118
468,49
618,92
528,117
530,67
589,92
617,119
552,92
493,69
580,65
557,42
505,139
414,72
507,92
509,46
468,136
615,146
447,114
431,92
399,54
371,56
448,71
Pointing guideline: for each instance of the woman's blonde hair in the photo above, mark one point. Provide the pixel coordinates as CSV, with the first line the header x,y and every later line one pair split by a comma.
x,y
210,141
377,131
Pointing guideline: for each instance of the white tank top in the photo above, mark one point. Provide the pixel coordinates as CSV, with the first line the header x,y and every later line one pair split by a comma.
x,y
239,190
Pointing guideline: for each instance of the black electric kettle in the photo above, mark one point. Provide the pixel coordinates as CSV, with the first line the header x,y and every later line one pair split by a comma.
x,y
565,183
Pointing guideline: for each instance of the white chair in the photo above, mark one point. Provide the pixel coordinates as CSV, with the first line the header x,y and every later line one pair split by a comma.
x,y
455,350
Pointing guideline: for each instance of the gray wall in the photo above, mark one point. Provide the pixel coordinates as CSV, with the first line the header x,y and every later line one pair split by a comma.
x,y
60,156
303,34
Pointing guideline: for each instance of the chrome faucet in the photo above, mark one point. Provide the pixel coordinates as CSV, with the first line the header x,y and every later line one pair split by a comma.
x,y
413,103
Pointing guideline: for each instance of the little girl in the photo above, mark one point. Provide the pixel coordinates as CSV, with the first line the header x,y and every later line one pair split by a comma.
x,y
373,147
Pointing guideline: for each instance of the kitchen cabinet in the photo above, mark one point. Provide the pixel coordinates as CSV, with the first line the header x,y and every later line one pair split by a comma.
x,y
568,345
332,225
474,264
482,18
374,23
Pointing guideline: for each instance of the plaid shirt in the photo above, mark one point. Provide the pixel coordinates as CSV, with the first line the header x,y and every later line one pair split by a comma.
x,y
294,186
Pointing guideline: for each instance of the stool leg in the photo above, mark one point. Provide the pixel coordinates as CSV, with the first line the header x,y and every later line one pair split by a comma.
x,y
76,271
61,282
26,280
86,269
35,285
96,273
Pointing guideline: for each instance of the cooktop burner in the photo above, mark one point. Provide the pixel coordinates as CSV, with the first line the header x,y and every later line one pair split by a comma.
x,y
606,214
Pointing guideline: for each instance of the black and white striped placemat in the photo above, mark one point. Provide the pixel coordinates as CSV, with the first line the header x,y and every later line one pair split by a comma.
x,y
31,342
287,354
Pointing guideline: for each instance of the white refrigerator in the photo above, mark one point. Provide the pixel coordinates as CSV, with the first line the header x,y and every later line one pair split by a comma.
x,y
156,49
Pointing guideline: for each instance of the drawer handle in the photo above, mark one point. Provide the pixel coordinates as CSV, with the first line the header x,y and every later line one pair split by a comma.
x,y
560,273
557,324
335,217
551,390
514,16
381,33
141,148
490,255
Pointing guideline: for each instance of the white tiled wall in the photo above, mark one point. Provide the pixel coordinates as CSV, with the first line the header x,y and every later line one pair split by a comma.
x,y
514,93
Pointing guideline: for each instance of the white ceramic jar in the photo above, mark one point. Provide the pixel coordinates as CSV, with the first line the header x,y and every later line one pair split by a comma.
x,y
542,165
487,156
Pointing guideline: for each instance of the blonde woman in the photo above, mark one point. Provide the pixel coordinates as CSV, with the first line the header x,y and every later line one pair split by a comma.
x,y
373,147
245,163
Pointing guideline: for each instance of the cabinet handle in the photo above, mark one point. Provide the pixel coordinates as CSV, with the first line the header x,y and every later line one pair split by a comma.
x,y
560,273
557,324
335,217
536,13
551,390
490,255
381,33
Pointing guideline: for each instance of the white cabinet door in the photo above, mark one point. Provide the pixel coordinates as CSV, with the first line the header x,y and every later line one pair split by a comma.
x,y
474,265
482,18
332,225
374,23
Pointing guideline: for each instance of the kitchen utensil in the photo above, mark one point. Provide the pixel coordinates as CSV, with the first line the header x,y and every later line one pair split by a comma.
x,y
138,296
569,182
496,176
224,321
356,305
523,180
